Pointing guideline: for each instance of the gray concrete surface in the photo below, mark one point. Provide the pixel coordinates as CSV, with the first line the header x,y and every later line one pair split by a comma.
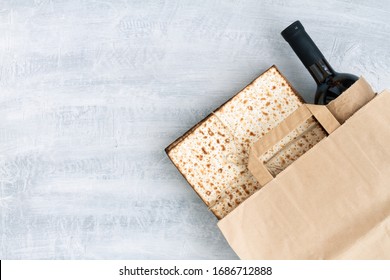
x,y
91,92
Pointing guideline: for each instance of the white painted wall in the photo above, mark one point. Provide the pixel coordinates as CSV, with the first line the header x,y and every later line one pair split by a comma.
x,y
91,92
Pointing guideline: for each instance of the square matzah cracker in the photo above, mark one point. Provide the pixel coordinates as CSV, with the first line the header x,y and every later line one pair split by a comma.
x,y
213,155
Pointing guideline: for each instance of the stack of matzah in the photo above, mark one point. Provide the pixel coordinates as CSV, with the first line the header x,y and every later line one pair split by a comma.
x,y
212,156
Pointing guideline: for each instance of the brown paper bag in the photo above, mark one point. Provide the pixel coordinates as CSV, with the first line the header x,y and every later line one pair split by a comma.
x,y
303,129
358,95
331,203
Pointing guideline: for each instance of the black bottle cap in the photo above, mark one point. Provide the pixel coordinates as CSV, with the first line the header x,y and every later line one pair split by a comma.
x,y
292,29
302,44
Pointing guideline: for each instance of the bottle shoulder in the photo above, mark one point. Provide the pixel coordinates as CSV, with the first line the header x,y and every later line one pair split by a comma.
x,y
338,78
345,76
333,86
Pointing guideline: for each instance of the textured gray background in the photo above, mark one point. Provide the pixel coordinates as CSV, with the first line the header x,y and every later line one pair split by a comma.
x,y
91,92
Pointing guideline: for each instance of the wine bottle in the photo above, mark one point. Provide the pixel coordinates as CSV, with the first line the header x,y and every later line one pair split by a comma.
x,y
330,84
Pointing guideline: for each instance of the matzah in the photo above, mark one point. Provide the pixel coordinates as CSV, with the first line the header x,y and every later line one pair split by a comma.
x,y
213,155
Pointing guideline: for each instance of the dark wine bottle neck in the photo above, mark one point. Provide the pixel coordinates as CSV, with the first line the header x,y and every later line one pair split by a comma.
x,y
320,70
307,52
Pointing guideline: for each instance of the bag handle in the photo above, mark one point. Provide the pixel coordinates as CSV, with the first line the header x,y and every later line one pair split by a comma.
x,y
320,112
